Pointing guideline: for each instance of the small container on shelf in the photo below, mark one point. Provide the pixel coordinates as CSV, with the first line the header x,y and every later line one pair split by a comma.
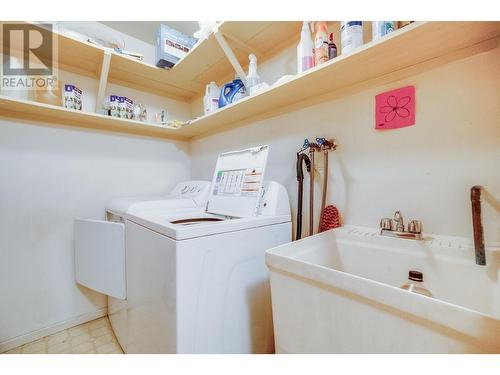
x,y
139,112
125,107
161,117
114,110
72,97
382,28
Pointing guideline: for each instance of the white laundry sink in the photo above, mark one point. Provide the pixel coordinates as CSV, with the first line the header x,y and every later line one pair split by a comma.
x,y
339,292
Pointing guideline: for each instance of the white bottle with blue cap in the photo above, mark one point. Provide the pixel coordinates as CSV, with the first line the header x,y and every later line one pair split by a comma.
x,y
351,35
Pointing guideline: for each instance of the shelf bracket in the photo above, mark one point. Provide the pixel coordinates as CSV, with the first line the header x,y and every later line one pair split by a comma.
x,y
103,81
231,56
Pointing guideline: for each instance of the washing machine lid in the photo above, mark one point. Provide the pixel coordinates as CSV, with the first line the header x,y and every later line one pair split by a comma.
x,y
237,182
186,194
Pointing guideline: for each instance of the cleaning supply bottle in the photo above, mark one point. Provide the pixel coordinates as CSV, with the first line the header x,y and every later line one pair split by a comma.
x,y
332,48
305,58
242,91
321,43
381,28
415,284
253,78
211,98
351,35
231,92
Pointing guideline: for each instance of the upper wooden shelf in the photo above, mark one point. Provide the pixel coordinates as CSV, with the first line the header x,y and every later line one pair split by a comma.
x,y
416,48
187,79
413,49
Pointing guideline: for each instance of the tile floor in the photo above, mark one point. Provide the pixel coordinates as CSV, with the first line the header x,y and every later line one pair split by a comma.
x,y
94,337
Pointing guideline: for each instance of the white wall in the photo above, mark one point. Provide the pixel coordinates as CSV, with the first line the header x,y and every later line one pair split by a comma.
x,y
50,175
426,170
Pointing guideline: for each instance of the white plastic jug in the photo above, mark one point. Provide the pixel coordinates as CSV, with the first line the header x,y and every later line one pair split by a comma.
x,y
211,99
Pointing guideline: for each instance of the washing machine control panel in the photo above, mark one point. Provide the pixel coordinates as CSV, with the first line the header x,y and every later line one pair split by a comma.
x,y
191,189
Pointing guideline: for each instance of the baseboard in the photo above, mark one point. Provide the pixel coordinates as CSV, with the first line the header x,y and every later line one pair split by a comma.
x,y
38,334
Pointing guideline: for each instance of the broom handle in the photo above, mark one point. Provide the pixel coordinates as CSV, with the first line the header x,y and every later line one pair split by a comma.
x,y
325,187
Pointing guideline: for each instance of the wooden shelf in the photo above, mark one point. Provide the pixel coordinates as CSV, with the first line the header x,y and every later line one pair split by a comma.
x,y
39,112
415,48
187,79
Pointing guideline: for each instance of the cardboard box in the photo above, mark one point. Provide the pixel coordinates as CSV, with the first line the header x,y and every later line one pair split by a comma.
x,y
171,46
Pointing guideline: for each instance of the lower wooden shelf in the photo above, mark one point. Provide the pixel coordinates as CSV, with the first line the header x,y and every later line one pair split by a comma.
x,y
40,112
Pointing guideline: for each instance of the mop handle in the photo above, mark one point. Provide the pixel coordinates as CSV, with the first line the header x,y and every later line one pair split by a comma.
x,y
311,193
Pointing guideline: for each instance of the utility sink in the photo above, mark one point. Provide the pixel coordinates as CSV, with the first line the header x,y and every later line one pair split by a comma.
x,y
339,292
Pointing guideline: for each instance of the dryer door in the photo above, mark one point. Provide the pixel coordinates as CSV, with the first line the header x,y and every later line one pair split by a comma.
x,y
100,256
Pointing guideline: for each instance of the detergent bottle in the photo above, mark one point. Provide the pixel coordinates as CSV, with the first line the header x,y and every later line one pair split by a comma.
x,y
211,98
231,92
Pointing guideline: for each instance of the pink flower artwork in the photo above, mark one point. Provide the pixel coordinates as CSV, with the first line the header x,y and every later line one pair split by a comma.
x,y
395,109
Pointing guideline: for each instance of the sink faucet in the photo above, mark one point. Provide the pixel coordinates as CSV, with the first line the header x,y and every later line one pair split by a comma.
x,y
477,225
396,227
399,223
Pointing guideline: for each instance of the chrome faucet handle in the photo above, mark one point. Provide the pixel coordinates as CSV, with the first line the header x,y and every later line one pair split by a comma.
x,y
399,223
415,226
386,223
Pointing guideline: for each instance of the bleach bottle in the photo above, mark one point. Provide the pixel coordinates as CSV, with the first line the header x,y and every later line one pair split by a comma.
x,y
231,92
211,99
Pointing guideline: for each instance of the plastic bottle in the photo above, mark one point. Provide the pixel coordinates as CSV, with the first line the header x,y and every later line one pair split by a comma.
x,y
332,48
305,58
381,28
351,35
231,92
415,284
211,98
253,78
321,43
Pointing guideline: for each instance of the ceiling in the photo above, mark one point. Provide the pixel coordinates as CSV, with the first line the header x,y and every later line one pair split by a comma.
x,y
146,30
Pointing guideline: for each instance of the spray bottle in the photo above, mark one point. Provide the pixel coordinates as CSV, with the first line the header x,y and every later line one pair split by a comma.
x,y
253,78
305,59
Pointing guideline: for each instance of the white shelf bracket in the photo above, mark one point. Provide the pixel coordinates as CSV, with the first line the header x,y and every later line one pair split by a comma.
x,y
231,56
103,81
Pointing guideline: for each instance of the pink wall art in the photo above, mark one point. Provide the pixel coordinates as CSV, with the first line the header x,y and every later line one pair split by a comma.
x,y
395,109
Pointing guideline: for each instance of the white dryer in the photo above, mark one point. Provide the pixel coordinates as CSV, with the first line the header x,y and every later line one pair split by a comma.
x,y
196,278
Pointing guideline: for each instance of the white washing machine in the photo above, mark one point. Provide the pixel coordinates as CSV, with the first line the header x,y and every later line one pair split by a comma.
x,y
196,278
100,246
